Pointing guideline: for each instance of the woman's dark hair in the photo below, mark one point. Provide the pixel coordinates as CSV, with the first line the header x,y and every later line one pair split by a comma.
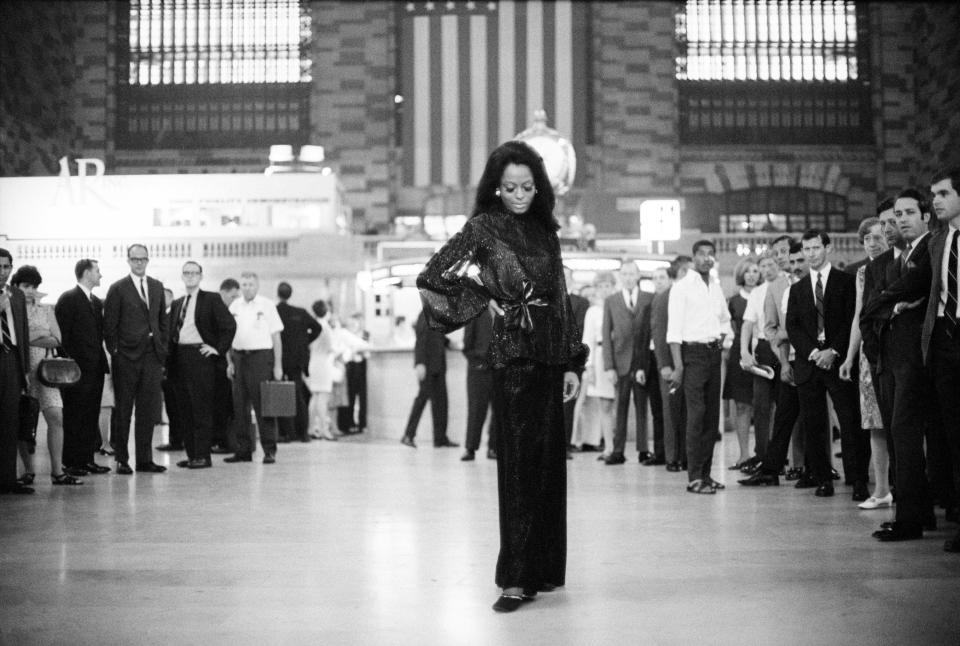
x,y
319,309
519,153
26,275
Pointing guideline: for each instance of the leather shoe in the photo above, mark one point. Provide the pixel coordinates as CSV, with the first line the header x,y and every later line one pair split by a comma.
x,y
445,444
806,481
761,480
93,467
150,467
76,472
508,603
653,462
269,458
200,463
860,491
824,491
17,488
794,473
899,532
406,440
183,464
491,454
644,455
673,467
929,525
468,456
614,458
124,469
170,447
239,457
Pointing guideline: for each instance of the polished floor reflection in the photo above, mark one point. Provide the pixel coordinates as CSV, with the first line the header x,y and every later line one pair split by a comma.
x,y
364,541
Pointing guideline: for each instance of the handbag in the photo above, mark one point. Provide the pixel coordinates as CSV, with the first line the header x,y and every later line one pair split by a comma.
x,y
56,371
29,418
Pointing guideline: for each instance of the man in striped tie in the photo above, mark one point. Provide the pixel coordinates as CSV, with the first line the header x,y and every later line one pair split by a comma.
x,y
940,340
13,377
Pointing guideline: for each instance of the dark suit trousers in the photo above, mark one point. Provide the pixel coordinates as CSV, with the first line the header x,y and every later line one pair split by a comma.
x,y
433,388
250,370
356,376
192,380
10,379
296,428
886,415
626,386
674,423
944,360
764,394
784,419
175,429
479,401
656,410
136,383
222,408
814,420
81,419
701,388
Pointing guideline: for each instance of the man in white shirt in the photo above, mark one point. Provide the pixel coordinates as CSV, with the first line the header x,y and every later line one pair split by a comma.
x,y
697,322
256,355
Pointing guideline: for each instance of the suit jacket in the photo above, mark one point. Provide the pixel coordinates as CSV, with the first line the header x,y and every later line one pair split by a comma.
x,y
936,248
299,331
659,309
18,306
81,326
839,305
579,305
476,339
853,268
889,285
130,327
626,333
213,320
430,348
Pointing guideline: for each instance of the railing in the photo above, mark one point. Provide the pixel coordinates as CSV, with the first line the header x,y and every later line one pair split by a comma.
x,y
38,250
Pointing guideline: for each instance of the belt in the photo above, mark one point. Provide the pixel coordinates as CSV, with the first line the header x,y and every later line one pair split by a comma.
x,y
253,351
711,345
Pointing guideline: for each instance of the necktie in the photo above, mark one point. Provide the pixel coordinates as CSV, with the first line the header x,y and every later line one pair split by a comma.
x,y
630,299
143,294
6,340
904,256
950,307
181,318
818,293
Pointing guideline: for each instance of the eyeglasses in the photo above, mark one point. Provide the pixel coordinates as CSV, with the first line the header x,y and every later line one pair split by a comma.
x,y
192,273
134,259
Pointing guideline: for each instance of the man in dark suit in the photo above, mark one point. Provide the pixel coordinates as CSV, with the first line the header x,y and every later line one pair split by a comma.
x,y
299,330
675,409
135,331
202,330
430,364
579,305
80,317
820,311
222,440
14,360
940,336
476,340
895,307
626,353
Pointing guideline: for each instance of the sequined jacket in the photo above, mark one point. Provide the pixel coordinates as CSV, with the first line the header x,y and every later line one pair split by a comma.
x,y
516,261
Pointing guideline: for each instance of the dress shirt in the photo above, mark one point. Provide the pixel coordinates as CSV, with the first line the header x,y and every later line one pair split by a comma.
x,y
783,314
257,320
8,313
86,291
755,312
139,281
824,274
630,297
189,334
773,323
697,313
951,230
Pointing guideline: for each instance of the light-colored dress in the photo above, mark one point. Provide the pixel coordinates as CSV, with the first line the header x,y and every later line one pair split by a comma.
x,y
41,322
325,367
869,409
601,385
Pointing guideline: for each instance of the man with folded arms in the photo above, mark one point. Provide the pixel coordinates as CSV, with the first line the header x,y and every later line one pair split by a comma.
x,y
201,332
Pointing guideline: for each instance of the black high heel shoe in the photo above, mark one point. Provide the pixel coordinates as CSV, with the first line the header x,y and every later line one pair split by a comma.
x,y
508,603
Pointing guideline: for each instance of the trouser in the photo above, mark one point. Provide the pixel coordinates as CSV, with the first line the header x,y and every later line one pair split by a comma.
x,y
136,383
251,368
432,388
11,378
192,379
944,360
479,401
222,409
784,420
886,414
702,365
296,427
356,376
854,441
81,418
175,428
764,395
656,411
626,386
674,423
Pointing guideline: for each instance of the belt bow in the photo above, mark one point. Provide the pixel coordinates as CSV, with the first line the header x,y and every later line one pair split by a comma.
x,y
517,313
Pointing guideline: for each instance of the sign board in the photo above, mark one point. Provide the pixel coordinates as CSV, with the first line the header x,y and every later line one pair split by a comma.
x,y
659,220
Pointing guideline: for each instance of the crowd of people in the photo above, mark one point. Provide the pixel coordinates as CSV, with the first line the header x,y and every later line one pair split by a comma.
x,y
200,359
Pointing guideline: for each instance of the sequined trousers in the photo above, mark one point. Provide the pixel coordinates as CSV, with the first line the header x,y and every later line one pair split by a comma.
x,y
531,475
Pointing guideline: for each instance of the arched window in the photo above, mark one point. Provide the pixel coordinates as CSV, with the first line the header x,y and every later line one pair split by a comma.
x,y
782,208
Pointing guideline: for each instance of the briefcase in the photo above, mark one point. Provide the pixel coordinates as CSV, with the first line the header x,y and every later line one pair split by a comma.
x,y
278,399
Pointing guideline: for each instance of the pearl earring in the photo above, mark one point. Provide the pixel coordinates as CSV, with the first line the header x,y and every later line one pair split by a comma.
x,y
497,192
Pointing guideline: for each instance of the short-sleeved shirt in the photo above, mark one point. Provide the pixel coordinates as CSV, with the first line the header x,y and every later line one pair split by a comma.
x,y
755,312
257,321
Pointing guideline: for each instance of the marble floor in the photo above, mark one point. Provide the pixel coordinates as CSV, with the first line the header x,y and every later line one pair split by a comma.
x,y
364,541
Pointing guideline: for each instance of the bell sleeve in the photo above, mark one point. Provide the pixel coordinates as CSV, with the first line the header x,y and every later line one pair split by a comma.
x,y
450,288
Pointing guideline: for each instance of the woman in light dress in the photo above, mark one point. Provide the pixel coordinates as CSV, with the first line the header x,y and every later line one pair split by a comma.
x,y
325,368
874,244
44,335
596,418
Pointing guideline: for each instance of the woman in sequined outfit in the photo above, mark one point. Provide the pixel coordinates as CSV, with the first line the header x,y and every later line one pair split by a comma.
x,y
507,258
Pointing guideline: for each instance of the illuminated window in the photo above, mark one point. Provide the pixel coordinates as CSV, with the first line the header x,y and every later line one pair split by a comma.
x,y
772,71
772,209
212,73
